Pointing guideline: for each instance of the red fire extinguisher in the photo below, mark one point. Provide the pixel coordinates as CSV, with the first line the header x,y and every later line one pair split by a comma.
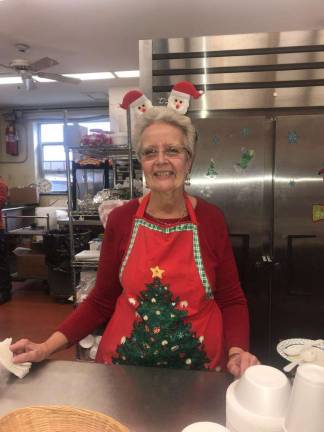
x,y
12,141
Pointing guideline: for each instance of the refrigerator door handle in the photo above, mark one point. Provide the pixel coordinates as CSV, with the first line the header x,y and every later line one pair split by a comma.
x,y
265,260
290,262
269,259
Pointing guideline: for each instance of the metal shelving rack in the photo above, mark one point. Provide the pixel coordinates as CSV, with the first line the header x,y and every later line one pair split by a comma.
x,y
79,218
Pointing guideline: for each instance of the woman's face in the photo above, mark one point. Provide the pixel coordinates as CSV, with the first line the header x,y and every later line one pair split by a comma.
x,y
165,161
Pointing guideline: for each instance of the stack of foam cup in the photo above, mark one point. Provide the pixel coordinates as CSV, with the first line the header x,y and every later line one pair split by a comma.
x,y
305,411
91,344
258,401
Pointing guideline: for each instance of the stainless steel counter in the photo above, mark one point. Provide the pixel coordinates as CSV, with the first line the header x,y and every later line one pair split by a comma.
x,y
144,399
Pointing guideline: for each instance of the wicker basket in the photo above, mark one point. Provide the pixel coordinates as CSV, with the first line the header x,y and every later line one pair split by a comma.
x,y
58,419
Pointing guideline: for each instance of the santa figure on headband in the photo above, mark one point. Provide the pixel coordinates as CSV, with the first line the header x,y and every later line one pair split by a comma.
x,y
179,98
136,101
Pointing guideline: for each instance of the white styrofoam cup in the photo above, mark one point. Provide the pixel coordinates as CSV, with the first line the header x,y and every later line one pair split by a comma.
x,y
263,390
87,342
305,411
257,401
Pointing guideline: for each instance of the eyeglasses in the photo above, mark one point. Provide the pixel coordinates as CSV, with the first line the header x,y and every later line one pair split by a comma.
x,y
170,152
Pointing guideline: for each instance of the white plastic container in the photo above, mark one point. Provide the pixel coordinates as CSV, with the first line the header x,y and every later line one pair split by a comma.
x,y
119,138
98,339
257,402
43,212
93,352
87,342
95,244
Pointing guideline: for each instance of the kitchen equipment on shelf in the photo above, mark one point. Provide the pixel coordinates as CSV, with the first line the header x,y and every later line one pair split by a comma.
x,y
119,138
87,204
86,284
88,255
305,409
257,402
101,196
96,139
95,244
88,180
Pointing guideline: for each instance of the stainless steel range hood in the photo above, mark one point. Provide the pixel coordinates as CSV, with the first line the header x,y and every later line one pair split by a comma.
x,y
247,71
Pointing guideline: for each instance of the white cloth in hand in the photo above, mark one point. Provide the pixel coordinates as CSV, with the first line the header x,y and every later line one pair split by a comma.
x,y
6,356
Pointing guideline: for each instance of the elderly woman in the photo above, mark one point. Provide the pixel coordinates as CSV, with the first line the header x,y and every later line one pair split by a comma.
x,y
167,284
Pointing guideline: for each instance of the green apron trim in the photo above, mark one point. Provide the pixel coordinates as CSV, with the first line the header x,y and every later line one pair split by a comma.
x,y
168,230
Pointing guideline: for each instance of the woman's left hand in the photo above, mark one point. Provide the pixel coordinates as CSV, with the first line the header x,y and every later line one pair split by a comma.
x,y
239,361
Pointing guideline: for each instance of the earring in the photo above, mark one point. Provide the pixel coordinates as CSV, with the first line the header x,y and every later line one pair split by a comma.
x,y
187,180
146,184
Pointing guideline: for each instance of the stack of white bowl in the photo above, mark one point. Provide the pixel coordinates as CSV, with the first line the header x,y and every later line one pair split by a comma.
x,y
258,401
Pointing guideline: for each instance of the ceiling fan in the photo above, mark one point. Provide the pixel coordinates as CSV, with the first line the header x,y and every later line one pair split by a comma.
x,y
27,71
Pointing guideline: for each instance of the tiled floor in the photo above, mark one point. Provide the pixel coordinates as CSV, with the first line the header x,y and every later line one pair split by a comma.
x,y
33,314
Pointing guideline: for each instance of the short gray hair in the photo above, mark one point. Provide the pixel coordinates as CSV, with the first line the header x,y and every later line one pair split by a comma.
x,y
169,116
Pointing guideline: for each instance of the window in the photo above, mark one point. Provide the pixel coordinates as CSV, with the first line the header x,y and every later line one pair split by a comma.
x,y
52,153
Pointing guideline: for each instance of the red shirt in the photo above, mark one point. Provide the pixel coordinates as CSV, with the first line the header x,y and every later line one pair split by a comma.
x,y
3,198
218,260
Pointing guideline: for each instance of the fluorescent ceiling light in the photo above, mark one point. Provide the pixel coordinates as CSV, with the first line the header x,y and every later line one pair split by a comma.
x,y
91,76
40,79
10,80
82,77
127,74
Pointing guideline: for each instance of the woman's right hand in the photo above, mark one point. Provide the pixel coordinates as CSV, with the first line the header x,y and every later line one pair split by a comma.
x,y
27,351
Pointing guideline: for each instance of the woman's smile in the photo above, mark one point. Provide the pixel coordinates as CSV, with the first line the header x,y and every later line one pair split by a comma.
x,y
164,174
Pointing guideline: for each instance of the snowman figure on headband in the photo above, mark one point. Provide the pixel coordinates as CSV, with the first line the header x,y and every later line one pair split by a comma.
x,y
179,98
136,101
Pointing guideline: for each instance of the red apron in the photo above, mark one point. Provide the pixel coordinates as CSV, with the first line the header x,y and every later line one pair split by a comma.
x,y
166,315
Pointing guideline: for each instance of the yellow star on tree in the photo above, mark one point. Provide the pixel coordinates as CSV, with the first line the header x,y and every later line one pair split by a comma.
x,y
157,272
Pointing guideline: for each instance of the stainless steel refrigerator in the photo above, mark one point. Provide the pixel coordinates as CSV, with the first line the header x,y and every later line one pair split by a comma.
x,y
260,158
265,174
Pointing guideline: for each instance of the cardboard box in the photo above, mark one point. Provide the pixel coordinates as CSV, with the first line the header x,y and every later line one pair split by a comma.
x,y
24,195
31,265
